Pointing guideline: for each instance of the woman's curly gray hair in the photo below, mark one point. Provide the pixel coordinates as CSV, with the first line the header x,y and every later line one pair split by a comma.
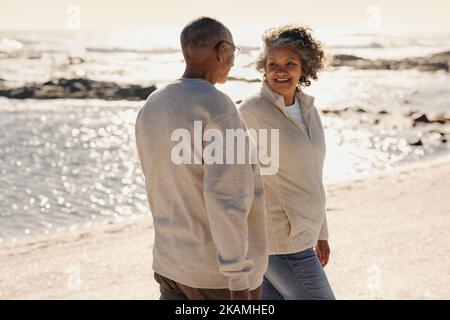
x,y
301,40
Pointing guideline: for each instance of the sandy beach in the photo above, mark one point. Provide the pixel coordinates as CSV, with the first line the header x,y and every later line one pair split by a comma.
x,y
389,240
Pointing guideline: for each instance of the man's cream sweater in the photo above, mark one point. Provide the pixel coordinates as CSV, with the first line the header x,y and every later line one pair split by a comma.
x,y
209,219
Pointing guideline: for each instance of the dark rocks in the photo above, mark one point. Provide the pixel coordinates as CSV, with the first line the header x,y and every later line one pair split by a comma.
x,y
244,80
334,111
442,134
340,111
433,66
345,59
17,93
75,60
411,113
441,56
135,91
416,143
421,119
435,62
78,88
441,120
366,115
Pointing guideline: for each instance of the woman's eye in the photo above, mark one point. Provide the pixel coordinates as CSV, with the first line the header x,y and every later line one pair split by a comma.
x,y
291,63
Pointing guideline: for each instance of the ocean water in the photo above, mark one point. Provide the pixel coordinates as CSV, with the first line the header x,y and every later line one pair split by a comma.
x,y
66,164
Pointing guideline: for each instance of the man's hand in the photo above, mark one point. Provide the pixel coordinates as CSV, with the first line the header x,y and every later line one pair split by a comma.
x,y
323,252
241,295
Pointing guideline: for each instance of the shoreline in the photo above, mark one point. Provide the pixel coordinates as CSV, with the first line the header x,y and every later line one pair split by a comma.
x,y
430,160
383,232
411,165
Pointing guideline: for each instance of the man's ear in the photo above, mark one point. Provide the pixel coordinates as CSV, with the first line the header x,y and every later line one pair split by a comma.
x,y
221,53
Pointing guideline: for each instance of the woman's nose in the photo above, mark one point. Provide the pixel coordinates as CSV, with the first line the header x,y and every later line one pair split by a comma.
x,y
281,71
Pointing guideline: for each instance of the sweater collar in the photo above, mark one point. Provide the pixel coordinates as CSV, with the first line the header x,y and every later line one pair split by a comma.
x,y
303,99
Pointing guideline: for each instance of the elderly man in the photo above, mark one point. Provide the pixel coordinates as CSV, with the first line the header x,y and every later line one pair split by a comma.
x,y
210,236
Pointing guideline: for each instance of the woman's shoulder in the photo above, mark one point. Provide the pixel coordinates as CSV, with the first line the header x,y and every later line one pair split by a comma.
x,y
307,101
251,103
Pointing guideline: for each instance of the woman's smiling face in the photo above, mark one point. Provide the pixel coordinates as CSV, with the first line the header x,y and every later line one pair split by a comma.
x,y
283,71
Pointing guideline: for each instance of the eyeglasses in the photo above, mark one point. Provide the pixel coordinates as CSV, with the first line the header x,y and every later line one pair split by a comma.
x,y
236,49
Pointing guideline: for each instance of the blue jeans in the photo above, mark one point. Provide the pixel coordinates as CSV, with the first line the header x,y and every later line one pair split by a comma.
x,y
297,276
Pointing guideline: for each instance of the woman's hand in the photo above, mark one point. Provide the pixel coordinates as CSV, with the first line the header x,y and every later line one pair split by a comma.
x,y
323,252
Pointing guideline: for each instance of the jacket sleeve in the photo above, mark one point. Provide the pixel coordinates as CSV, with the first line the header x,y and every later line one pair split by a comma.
x,y
323,235
228,194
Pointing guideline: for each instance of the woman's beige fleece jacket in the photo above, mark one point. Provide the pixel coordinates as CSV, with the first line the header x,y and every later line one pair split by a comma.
x,y
295,195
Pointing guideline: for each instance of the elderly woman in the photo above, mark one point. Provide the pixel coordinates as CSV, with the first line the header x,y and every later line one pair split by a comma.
x,y
295,195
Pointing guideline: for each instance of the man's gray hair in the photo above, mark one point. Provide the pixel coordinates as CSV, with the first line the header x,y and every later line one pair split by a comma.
x,y
203,32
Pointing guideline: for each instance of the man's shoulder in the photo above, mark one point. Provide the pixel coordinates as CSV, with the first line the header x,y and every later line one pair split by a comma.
x,y
164,94
216,95
165,90
213,99
200,89
155,99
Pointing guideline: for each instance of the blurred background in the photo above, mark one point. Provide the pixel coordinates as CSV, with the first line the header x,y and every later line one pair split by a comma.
x,y
73,75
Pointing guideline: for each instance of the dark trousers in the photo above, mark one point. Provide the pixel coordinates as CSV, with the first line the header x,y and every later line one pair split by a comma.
x,y
171,290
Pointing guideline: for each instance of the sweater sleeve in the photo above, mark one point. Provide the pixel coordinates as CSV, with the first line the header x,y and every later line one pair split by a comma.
x,y
323,235
228,194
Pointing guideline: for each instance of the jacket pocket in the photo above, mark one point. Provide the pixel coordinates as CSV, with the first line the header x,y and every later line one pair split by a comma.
x,y
298,223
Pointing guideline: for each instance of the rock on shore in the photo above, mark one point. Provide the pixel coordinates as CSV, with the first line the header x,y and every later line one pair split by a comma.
x,y
78,88
435,62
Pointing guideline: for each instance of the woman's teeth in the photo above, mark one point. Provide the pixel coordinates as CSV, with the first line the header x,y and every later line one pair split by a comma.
x,y
282,80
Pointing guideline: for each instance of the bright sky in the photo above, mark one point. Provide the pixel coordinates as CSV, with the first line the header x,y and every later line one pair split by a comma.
x,y
345,15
